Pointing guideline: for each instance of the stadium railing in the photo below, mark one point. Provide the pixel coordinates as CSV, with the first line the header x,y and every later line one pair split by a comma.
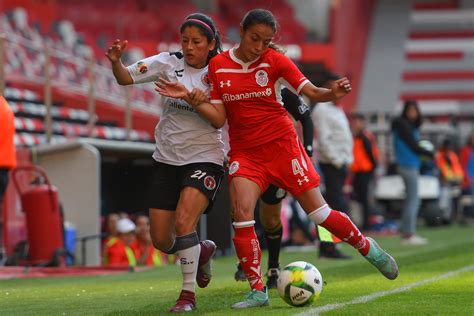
x,y
25,59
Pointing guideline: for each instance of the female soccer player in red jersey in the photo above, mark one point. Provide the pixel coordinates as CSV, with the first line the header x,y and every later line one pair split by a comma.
x,y
189,154
245,89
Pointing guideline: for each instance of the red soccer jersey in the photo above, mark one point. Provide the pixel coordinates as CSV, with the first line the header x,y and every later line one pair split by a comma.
x,y
250,93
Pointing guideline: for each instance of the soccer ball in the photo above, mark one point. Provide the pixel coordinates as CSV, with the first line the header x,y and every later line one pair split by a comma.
x,y
300,284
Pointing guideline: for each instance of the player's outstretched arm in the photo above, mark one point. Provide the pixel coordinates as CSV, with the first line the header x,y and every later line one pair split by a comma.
x,y
339,88
172,89
114,54
308,134
214,113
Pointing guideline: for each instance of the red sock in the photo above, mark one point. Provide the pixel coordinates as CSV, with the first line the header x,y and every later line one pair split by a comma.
x,y
343,228
249,253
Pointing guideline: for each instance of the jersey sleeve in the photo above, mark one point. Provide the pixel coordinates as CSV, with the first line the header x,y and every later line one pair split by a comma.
x,y
153,67
290,75
294,104
214,94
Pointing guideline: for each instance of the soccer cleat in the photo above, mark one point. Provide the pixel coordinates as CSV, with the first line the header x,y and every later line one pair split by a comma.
x,y
254,299
239,275
382,260
272,278
204,273
185,303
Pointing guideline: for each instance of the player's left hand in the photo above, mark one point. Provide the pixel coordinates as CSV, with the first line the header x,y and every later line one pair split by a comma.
x,y
171,89
197,96
309,150
341,87
115,51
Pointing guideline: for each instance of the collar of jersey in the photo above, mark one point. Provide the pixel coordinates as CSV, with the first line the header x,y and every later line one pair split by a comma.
x,y
239,61
192,69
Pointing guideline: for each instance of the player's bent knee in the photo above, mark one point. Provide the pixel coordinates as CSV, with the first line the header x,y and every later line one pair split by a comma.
x,y
271,224
243,216
158,244
161,243
243,212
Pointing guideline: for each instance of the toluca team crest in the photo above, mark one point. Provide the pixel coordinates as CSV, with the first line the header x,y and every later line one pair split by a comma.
x,y
261,77
210,183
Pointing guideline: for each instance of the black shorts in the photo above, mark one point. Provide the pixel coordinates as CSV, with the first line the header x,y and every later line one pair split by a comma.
x,y
273,195
169,180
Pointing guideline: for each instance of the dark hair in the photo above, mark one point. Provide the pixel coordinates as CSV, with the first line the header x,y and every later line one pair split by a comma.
x,y
412,103
261,16
208,29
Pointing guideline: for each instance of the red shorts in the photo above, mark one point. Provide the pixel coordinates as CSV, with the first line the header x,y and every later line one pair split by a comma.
x,y
283,163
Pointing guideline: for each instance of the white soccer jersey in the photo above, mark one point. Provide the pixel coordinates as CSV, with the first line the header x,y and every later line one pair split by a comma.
x,y
182,135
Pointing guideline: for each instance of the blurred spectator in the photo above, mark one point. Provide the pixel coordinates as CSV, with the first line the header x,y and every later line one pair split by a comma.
x,y
335,155
448,163
467,162
451,176
7,153
67,33
110,226
143,247
122,214
109,232
366,155
428,164
7,145
119,251
19,17
406,136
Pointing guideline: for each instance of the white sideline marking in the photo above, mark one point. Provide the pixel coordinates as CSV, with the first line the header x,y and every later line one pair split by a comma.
x,y
373,296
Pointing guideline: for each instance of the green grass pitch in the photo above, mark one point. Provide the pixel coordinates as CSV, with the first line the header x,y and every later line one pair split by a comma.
x,y
154,292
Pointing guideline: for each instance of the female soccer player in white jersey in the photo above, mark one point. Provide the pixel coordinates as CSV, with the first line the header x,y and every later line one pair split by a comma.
x,y
264,147
189,154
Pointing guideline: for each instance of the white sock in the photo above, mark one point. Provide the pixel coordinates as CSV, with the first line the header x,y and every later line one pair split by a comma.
x,y
319,216
189,259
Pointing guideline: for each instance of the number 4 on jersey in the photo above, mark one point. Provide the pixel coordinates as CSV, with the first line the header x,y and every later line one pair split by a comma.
x,y
297,170
297,167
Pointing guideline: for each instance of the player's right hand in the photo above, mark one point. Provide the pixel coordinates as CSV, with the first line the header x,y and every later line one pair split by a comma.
x,y
114,53
171,89
196,97
341,87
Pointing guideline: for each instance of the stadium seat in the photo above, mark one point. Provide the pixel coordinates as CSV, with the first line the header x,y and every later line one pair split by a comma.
x,y
27,109
438,54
